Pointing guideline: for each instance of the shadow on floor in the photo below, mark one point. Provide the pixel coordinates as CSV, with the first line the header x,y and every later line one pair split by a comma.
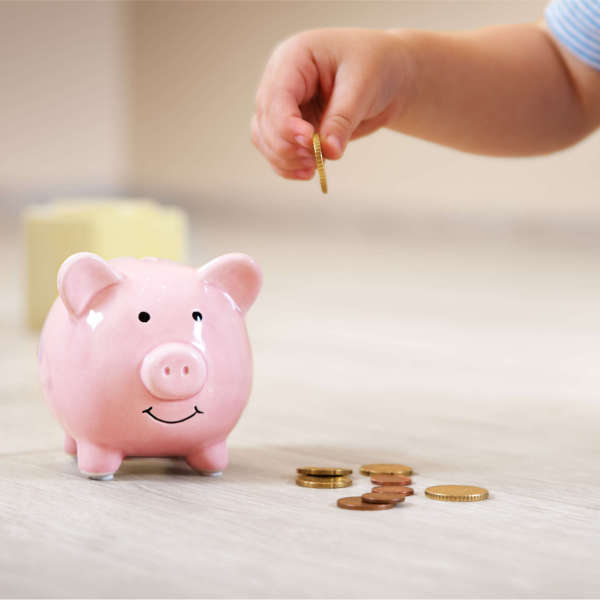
x,y
256,464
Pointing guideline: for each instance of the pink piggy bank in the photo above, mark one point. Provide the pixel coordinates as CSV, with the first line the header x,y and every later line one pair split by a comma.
x,y
148,358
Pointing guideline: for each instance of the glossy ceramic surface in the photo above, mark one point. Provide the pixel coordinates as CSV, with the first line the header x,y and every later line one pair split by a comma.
x,y
148,358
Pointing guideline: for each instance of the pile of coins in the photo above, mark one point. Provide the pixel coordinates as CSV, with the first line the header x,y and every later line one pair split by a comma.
x,y
391,486
323,477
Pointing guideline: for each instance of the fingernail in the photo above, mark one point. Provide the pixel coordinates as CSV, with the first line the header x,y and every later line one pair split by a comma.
x,y
309,163
303,174
334,144
304,153
302,141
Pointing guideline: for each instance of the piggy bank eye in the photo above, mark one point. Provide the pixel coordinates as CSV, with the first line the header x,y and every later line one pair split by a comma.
x,y
197,316
144,317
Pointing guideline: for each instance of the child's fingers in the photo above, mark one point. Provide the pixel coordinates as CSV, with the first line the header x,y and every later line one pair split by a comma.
x,y
286,151
280,152
345,110
290,79
289,166
304,175
297,131
283,128
290,170
285,155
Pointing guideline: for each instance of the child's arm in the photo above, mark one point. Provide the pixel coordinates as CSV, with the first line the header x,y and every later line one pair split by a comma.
x,y
511,90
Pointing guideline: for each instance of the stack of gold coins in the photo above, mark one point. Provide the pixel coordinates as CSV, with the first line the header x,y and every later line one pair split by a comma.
x,y
323,477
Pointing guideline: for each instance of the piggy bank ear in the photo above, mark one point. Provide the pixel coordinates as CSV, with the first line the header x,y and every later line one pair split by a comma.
x,y
236,274
81,277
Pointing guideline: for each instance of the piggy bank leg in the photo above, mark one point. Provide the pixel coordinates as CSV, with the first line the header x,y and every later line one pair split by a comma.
x,y
210,460
97,462
70,445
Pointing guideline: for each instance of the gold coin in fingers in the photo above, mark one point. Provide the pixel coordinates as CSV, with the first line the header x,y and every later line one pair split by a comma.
x,y
320,162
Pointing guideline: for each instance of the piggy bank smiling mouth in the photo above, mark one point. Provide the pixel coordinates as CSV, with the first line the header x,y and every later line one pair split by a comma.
x,y
196,412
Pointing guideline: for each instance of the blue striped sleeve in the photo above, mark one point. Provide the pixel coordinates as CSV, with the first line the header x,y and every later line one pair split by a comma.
x,y
576,24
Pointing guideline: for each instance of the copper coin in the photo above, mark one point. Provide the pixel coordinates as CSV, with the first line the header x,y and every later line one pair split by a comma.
x,y
390,480
356,503
393,489
383,498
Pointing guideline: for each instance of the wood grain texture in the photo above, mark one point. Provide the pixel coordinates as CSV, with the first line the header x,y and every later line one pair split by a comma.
x,y
474,362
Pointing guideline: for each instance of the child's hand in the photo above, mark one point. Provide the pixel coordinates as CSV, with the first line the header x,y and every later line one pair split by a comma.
x,y
511,90
343,83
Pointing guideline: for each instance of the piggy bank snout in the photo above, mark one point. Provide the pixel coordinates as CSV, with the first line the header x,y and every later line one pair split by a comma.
x,y
174,371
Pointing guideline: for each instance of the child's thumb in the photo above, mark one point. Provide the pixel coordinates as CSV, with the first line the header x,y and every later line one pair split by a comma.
x,y
342,116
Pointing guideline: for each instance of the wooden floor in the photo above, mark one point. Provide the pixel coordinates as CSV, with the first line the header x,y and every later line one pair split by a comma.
x,y
475,362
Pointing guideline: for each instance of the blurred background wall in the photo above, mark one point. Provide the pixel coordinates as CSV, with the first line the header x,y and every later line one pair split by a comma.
x,y
154,99
63,100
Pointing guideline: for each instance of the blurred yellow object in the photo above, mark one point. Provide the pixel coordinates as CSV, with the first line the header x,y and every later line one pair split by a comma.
x,y
109,227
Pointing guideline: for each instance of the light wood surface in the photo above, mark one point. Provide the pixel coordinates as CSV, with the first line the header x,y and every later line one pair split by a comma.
x,y
473,361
